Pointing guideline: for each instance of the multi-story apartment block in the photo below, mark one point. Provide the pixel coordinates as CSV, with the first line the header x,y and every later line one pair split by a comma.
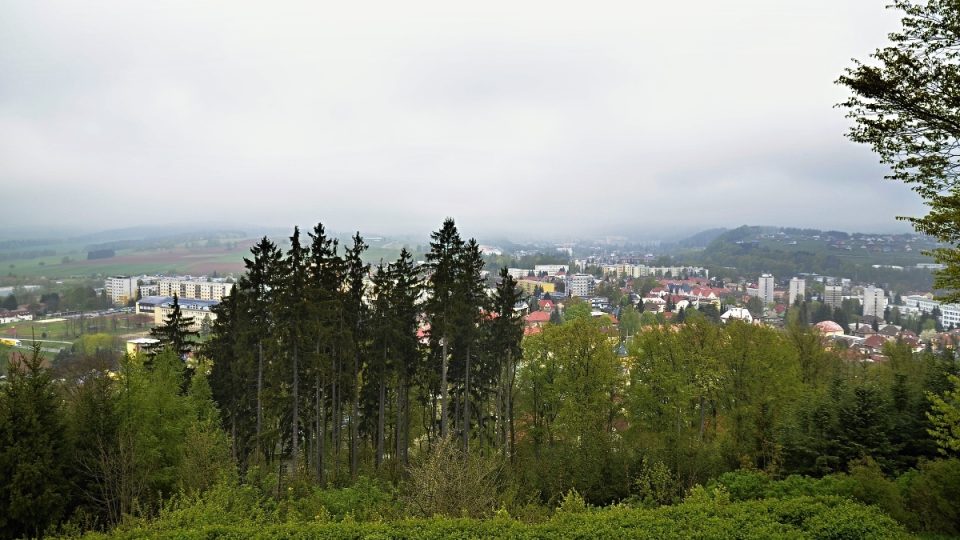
x,y
197,309
195,288
580,285
518,273
121,289
798,288
833,295
874,301
765,288
549,269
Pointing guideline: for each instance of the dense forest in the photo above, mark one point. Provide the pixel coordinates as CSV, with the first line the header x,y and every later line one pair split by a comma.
x,y
738,252
403,400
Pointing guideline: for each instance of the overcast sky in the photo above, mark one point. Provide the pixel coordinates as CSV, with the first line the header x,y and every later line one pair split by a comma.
x,y
515,117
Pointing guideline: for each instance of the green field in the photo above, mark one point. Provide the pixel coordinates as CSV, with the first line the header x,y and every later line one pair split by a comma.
x,y
176,260
69,330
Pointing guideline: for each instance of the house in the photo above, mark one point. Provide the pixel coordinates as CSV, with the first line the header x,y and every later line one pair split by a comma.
x,y
829,328
875,342
536,319
737,314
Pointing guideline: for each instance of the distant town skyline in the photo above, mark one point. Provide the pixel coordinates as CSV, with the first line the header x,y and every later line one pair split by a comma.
x,y
543,119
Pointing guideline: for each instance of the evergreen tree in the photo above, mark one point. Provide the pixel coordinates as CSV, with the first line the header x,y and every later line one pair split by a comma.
x,y
292,314
176,332
327,271
261,283
506,334
355,310
33,449
442,264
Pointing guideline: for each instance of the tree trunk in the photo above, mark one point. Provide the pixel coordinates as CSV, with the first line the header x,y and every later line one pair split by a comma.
x,y
513,376
295,428
354,414
466,403
443,390
259,445
381,411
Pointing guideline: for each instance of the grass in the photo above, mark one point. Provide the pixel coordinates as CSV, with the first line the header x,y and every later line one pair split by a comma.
x,y
69,330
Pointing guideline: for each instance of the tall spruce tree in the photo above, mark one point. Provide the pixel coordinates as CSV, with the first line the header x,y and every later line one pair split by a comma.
x,y
293,313
262,275
326,278
442,263
357,272
470,301
33,449
506,334
176,332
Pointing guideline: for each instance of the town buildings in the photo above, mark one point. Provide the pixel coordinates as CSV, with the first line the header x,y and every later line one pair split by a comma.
x,y
580,285
874,301
195,288
833,295
765,288
121,289
797,290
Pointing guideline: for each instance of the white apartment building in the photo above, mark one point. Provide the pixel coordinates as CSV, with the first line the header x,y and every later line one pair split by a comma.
x,y
121,289
580,285
549,269
833,295
950,315
195,288
798,288
874,301
152,289
518,273
920,302
198,309
765,288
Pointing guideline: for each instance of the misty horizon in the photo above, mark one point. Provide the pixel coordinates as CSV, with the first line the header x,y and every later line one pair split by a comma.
x,y
541,121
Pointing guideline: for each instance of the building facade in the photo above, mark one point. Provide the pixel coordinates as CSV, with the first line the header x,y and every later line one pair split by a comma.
x,y
833,295
765,288
798,289
874,301
189,307
580,285
195,288
549,269
121,289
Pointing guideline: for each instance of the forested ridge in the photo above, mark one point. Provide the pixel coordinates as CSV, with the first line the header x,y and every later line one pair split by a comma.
x,y
337,400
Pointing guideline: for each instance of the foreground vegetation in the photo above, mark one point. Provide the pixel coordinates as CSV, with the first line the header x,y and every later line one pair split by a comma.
x,y
699,517
463,427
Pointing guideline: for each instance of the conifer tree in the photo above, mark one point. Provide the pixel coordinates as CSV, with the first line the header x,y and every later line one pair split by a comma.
x,y
506,334
355,311
442,260
176,331
262,276
33,449
326,278
292,311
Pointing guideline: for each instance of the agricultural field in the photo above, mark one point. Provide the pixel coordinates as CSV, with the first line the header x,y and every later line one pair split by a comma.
x,y
55,334
68,259
179,260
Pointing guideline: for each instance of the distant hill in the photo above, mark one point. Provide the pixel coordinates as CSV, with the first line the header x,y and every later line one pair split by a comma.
x,y
702,239
750,250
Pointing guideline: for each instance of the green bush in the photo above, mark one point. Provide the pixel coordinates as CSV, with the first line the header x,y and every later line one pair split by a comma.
x,y
805,517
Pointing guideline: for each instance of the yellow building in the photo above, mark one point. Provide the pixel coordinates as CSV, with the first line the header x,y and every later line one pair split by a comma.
x,y
528,285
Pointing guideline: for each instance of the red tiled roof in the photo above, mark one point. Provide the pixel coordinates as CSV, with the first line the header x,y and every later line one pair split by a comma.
x,y
537,317
875,341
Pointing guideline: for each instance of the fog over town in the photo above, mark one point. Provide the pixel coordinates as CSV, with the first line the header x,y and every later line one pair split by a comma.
x,y
535,119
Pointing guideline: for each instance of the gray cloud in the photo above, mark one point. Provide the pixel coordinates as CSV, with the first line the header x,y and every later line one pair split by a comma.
x,y
527,118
